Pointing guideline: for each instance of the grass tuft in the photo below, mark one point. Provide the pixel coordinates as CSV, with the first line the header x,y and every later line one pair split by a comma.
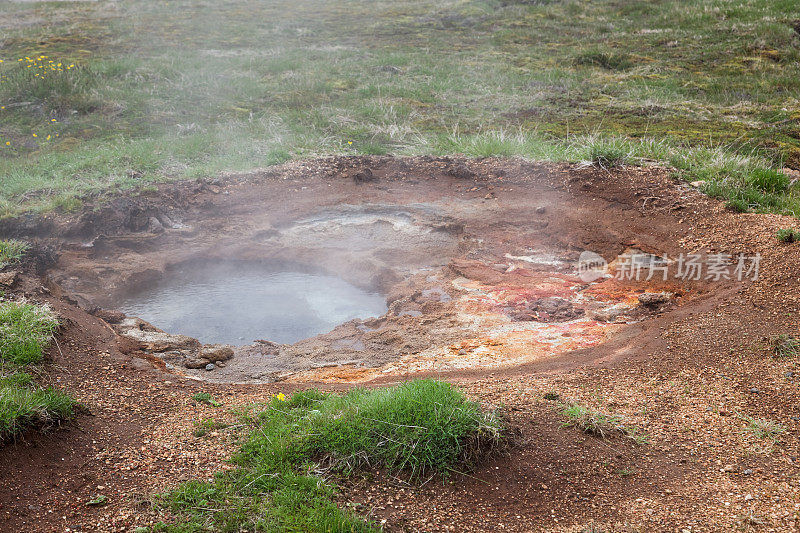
x,y
24,405
45,82
25,329
603,59
608,153
768,180
785,346
11,251
206,398
787,235
278,484
599,424
763,428
204,427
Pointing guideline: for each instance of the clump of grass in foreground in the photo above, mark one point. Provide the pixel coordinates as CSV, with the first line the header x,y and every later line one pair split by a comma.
x,y
11,251
787,235
206,398
598,424
205,427
763,428
608,153
420,427
785,346
25,330
23,404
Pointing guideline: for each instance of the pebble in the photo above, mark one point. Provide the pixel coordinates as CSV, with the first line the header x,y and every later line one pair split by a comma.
x,y
754,390
210,366
748,472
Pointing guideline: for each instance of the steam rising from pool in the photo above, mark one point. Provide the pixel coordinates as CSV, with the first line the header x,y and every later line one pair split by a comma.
x,y
239,304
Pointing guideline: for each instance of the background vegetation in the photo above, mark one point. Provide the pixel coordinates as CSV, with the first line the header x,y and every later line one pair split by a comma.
x,y
146,90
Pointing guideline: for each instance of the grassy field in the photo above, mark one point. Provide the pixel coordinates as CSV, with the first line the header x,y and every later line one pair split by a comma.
x,y
296,446
106,95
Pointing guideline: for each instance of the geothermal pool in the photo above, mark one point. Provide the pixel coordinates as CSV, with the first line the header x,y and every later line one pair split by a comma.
x,y
233,303
425,271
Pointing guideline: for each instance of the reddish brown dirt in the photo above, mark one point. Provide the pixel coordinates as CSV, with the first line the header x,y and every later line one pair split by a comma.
x,y
686,377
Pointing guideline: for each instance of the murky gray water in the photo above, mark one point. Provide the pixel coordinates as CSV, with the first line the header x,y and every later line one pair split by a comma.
x,y
237,304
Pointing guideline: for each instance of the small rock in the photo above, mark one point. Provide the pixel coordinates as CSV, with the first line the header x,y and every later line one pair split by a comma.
x,y
154,225
156,341
748,472
8,279
754,390
364,176
654,299
541,209
461,172
210,366
748,497
789,374
213,353
729,468
698,183
194,362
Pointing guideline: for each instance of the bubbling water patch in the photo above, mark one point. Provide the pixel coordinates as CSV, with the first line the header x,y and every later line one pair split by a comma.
x,y
238,303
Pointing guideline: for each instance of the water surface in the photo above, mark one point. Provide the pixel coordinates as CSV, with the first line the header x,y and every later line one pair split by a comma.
x,y
237,304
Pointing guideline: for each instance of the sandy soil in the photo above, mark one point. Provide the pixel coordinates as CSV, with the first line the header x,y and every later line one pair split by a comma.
x,y
685,373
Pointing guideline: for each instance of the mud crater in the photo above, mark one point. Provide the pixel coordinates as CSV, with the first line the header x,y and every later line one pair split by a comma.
x,y
307,272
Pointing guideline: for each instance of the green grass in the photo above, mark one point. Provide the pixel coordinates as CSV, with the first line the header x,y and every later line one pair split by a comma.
x,y
24,404
25,330
284,471
599,424
57,87
785,346
185,89
763,428
11,251
204,427
206,398
787,235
